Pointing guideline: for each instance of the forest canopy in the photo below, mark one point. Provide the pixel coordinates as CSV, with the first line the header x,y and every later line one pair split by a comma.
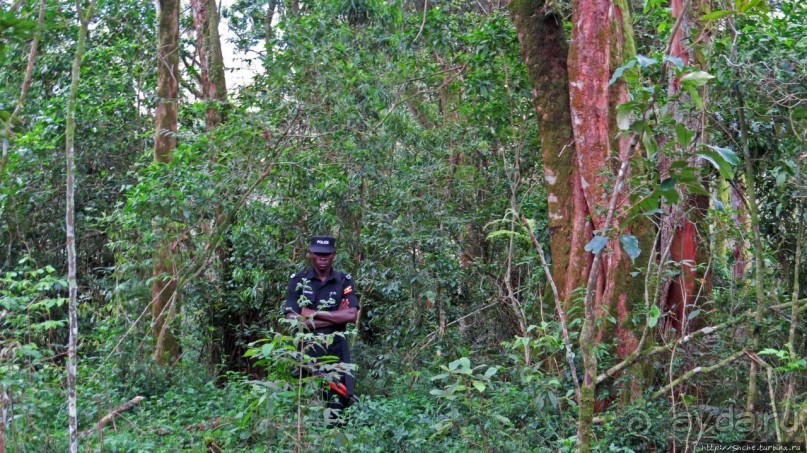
x,y
573,226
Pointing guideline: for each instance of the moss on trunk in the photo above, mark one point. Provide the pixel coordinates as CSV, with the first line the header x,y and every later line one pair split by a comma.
x,y
545,52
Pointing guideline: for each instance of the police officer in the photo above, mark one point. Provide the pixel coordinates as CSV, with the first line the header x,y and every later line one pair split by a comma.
x,y
325,299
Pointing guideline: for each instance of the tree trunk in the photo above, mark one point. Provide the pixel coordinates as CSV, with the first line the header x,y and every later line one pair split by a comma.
x,y
70,225
753,210
544,49
269,31
164,285
211,61
4,399
26,84
740,246
577,139
629,292
216,90
199,8
683,227
589,63
792,343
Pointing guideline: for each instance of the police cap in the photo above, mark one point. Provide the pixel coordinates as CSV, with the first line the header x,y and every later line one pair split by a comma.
x,y
323,244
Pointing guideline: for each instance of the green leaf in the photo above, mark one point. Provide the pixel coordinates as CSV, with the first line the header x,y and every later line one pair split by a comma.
x,y
624,118
782,354
48,325
695,186
675,61
463,363
650,144
631,246
596,244
683,135
479,386
30,350
491,371
649,204
728,154
780,179
672,196
719,162
620,70
696,78
718,14
747,6
645,61
693,314
653,316
694,95
503,419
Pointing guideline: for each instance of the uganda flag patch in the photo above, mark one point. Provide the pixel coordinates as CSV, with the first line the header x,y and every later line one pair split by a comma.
x,y
347,290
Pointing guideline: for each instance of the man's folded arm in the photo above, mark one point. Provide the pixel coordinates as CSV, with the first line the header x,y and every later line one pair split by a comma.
x,y
341,316
310,321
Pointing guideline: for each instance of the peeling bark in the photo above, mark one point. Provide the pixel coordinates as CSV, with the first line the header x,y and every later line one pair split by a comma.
x,y
589,63
598,45
579,177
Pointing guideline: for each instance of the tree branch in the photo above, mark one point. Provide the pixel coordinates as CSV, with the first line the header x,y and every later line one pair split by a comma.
x,y
112,414
633,358
558,306
695,371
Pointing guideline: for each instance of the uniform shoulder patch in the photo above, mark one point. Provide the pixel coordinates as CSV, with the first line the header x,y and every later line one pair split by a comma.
x,y
292,275
348,277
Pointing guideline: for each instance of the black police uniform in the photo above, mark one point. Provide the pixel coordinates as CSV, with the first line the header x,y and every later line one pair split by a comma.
x,y
307,290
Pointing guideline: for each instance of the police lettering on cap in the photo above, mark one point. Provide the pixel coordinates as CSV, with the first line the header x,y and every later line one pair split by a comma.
x,y
323,244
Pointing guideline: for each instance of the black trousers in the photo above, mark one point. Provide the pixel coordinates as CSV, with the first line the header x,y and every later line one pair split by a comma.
x,y
339,348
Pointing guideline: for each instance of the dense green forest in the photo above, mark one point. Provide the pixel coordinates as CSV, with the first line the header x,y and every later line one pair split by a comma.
x,y
573,225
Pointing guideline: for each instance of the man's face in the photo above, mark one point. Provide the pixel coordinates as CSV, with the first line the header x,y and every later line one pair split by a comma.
x,y
322,261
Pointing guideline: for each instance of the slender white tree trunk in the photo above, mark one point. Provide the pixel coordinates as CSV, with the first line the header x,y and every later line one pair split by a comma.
x,y
70,224
3,417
